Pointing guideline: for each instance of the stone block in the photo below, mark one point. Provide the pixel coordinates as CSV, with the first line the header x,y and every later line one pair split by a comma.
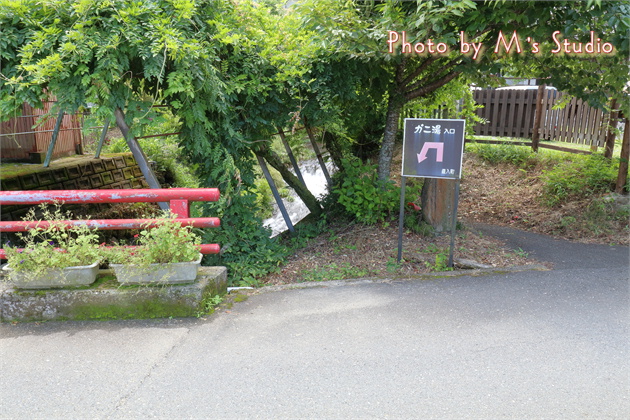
x,y
86,169
129,160
11,184
98,166
71,185
73,172
29,182
137,172
96,180
83,184
45,178
20,213
128,173
60,174
136,183
125,185
108,178
107,300
120,162
118,175
37,157
5,214
109,163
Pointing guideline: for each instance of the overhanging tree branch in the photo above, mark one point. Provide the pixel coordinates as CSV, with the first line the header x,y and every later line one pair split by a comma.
x,y
443,68
422,67
431,86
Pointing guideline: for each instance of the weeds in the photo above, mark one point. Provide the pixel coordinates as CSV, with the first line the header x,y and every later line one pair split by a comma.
x,y
334,272
504,153
584,176
362,195
521,253
208,305
393,266
441,258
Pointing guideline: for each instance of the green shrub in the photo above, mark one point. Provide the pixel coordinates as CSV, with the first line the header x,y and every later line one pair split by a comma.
x,y
246,248
168,156
504,153
583,177
363,196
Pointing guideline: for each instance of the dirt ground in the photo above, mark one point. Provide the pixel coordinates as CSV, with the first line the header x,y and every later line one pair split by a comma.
x,y
506,195
502,195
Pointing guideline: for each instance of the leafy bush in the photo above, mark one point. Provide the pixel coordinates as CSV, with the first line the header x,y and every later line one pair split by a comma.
x,y
166,242
363,196
504,153
583,177
168,156
246,248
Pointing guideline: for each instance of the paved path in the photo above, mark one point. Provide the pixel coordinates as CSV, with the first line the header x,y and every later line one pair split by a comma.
x,y
523,345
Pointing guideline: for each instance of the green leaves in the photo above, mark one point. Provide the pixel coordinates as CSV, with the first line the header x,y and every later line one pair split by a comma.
x,y
363,196
54,246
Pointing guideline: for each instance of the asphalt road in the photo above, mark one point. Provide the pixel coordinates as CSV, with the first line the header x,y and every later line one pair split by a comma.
x,y
522,345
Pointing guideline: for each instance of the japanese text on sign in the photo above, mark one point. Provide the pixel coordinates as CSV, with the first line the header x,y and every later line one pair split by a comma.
x,y
433,148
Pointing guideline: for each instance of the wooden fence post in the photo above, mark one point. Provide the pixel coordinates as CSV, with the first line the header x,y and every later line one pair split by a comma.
x,y
622,177
610,135
538,117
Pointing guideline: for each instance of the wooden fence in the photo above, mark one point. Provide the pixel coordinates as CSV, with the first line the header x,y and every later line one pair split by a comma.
x,y
577,122
512,113
506,113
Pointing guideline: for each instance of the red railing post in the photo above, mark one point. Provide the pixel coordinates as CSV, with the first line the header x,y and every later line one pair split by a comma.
x,y
179,199
180,208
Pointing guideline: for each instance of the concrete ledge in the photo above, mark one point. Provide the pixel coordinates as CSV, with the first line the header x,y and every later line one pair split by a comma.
x,y
106,299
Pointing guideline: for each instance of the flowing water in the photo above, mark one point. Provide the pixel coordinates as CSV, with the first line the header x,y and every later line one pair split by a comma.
x,y
315,182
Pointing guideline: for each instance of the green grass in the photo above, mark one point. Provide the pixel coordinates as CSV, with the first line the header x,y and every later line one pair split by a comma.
x,y
575,146
334,272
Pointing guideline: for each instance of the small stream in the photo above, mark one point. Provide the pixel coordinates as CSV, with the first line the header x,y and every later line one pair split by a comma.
x,y
315,182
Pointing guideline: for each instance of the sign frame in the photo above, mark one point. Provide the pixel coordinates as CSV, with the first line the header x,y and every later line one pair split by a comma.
x,y
417,145
420,145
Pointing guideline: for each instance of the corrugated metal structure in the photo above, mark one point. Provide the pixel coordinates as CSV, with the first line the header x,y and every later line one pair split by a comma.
x,y
26,138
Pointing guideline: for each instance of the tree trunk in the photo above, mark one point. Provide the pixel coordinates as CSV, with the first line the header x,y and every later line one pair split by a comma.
x,y
610,134
438,200
332,145
394,109
622,177
274,160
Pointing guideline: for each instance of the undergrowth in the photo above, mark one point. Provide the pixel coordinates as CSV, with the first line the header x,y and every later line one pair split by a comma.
x,y
564,176
364,197
583,176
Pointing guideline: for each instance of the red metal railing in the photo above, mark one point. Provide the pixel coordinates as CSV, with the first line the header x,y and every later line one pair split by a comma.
x,y
179,199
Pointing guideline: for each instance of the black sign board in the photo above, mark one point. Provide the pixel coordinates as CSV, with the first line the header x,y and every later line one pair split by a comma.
x,y
433,148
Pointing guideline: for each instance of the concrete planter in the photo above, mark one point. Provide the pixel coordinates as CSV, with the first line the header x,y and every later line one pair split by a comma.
x,y
54,278
171,273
